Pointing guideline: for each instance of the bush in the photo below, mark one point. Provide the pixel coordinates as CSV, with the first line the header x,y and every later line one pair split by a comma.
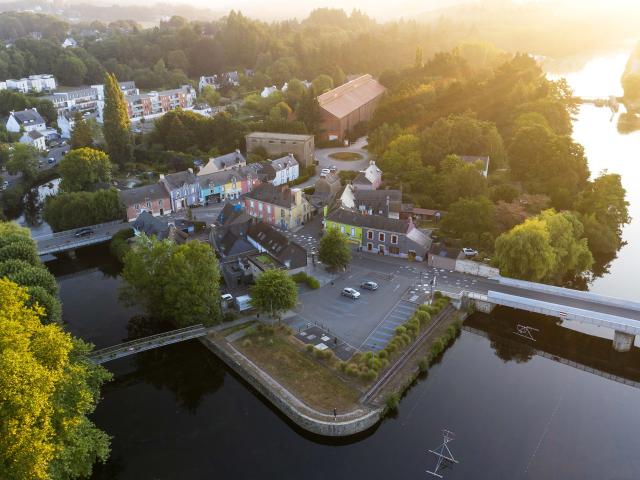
x,y
309,348
119,245
423,365
352,370
437,348
310,281
383,354
229,316
392,401
423,317
246,343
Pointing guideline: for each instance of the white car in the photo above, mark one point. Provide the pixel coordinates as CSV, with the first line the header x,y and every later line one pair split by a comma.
x,y
350,292
324,172
469,252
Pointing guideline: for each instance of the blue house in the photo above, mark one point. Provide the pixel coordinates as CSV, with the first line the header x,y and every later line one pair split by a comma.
x,y
183,188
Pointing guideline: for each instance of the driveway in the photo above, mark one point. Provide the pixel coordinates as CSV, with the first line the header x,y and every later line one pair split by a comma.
x,y
325,161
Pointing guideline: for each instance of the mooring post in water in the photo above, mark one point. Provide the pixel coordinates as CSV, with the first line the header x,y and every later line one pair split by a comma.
x,y
445,457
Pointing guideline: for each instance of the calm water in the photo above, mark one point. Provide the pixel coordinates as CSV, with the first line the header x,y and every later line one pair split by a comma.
x,y
178,413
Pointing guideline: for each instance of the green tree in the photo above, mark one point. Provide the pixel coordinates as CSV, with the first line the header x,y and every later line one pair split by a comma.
x,y
322,83
458,179
82,168
48,388
23,159
66,211
468,219
335,251
178,283
210,95
309,113
274,292
81,136
116,124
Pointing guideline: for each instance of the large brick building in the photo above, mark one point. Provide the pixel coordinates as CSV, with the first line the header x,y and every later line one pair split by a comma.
x,y
279,144
347,105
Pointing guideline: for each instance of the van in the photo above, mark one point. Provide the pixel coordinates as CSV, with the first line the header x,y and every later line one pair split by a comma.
x,y
243,302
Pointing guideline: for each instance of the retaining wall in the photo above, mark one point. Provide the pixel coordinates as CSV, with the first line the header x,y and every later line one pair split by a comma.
x,y
301,414
476,268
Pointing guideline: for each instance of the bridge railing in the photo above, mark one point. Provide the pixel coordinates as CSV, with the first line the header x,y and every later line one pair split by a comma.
x,y
70,244
147,343
65,233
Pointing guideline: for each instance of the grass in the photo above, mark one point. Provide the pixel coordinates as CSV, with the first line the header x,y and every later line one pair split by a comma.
x,y
314,384
266,260
228,331
346,156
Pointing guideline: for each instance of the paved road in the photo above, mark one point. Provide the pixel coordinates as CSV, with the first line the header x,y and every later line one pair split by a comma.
x,y
67,240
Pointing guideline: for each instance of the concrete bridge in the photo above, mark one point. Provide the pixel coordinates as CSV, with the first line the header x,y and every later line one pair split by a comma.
x,y
622,316
68,241
147,343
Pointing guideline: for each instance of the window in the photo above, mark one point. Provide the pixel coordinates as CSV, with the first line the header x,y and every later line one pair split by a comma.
x,y
381,237
342,228
161,203
137,206
394,239
353,231
394,251
148,204
369,246
282,212
251,203
269,209
259,206
370,235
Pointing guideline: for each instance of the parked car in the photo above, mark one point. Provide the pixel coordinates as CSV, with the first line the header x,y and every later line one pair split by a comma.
x,y
51,160
226,300
5,185
350,292
83,232
469,252
369,285
324,172
333,169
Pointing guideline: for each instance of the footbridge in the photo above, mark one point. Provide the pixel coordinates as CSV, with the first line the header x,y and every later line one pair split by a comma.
x,y
622,316
67,240
147,343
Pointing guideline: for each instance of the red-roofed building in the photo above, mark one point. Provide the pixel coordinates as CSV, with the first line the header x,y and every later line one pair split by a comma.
x,y
347,105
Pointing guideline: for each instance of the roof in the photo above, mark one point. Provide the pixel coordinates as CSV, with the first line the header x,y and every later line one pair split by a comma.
x,y
155,191
279,136
232,214
409,208
284,250
281,195
441,250
151,226
28,117
377,222
380,201
221,162
35,134
329,184
284,162
220,178
361,179
343,100
177,180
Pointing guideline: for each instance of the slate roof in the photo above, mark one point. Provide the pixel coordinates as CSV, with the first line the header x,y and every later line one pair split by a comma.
x,y
279,136
377,222
376,200
284,250
223,161
151,226
347,98
284,162
152,192
361,179
232,214
35,134
177,180
28,117
267,193
441,250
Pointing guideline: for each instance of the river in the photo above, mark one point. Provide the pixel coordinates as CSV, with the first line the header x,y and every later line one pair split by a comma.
x,y
177,412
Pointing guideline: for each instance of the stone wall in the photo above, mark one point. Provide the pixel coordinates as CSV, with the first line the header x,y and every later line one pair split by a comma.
x,y
301,414
476,268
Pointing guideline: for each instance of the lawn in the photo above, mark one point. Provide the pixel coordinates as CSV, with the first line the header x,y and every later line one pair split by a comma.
x,y
314,384
346,156
266,260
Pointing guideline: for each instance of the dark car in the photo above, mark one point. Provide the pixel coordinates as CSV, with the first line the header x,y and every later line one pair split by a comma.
x,y
83,232
369,285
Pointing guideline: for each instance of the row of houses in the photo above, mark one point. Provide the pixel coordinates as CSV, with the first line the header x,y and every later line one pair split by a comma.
x,y
31,84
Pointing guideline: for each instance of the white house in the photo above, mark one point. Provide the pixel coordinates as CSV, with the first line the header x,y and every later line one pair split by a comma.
x,y
281,170
44,82
69,42
66,124
268,91
26,120
35,139
21,85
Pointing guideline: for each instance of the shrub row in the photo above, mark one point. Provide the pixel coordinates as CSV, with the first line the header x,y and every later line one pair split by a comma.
x,y
119,245
303,277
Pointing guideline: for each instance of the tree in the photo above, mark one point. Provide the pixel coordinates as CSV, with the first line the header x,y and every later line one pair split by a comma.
x,y
70,70
82,168
81,135
178,283
334,251
308,111
23,159
48,388
468,219
274,292
458,179
66,211
210,95
116,126
604,198
322,83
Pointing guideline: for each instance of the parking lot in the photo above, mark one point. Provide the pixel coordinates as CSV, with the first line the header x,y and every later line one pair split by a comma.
x,y
353,321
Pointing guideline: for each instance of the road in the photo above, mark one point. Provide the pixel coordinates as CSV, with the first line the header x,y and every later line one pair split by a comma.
x,y
55,153
62,241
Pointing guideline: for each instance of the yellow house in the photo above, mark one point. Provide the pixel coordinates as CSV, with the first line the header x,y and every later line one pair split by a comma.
x,y
280,206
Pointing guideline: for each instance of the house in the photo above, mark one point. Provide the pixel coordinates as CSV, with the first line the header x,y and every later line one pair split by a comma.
x,y
69,43
325,190
35,139
382,235
369,178
346,106
227,184
481,161
281,170
183,188
223,162
228,235
387,203
219,81
267,239
32,83
153,199
152,226
441,256
280,206
26,120
155,104
301,146
266,91
409,211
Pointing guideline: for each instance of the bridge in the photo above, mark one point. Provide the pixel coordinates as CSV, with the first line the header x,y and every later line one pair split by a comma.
x,y
147,343
67,241
622,316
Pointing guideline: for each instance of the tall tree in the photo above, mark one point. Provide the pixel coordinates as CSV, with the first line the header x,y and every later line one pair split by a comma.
x,y
308,111
116,123
81,135
23,159
82,168
334,251
274,292
178,283
48,388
